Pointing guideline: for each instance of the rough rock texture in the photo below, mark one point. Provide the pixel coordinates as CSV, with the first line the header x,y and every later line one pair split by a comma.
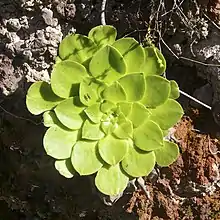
x,y
29,35
9,79
208,51
197,42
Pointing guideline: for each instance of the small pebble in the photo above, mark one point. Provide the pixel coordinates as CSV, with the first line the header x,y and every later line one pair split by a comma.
x,y
13,24
47,15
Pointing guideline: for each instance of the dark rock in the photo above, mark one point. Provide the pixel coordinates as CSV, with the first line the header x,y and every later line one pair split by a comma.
x,y
14,24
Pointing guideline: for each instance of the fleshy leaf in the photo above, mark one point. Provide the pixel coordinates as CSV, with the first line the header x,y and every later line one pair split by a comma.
x,y
50,119
65,78
124,129
132,52
107,106
138,163
112,150
94,113
65,168
111,180
154,64
108,127
134,86
77,47
114,93
148,136
174,93
107,65
167,115
89,91
103,35
85,158
167,154
138,114
58,142
40,98
125,108
69,112
157,91
91,131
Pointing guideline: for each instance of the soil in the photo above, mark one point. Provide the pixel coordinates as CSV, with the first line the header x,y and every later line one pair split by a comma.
x,y
30,187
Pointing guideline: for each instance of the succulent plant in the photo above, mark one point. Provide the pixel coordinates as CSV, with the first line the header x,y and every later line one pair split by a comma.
x,y
107,109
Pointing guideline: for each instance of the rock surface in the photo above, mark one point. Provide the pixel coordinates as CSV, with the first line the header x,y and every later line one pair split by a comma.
x,y
29,35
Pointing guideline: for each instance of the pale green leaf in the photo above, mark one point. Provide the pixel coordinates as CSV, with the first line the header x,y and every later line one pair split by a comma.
x,y
58,59
110,180
40,98
132,52
91,131
155,63
138,114
107,65
90,91
65,168
108,127
125,108
134,86
174,93
69,112
65,78
157,91
58,142
167,115
114,93
124,129
77,47
167,154
103,35
112,150
50,119
138,163
148,136
107,106
94,113
85,158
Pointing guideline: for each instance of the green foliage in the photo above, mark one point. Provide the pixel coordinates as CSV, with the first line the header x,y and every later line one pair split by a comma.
x,y
107,109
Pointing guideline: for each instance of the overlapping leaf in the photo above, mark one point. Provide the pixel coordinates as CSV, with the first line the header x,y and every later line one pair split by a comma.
x,y
112,150
85,158
154,64
132,52
65,168
77,47
138,163
103,35
111,180
107,65
58,142
41,98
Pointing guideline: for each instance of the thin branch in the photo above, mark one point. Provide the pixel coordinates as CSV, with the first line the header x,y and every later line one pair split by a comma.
x,y
19,117
217,26
175,6
103,21
194,99
199,62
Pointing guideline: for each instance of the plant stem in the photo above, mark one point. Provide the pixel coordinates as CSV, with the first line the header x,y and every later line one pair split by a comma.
x,y
195,100
103,22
